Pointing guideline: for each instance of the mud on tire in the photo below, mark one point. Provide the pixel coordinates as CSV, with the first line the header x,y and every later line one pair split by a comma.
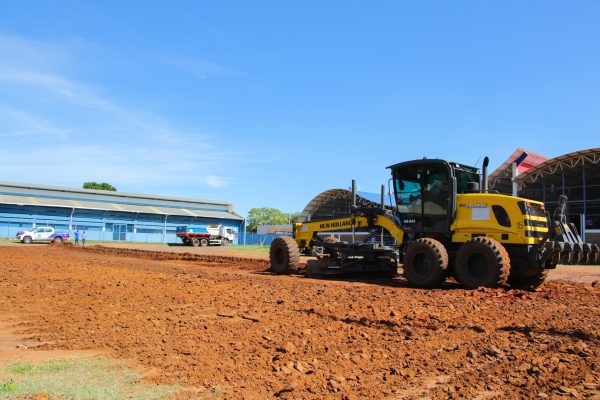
x,y
284,255
425,263
482,261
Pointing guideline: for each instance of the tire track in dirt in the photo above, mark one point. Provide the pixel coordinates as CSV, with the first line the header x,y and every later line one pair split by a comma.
x,y
226,326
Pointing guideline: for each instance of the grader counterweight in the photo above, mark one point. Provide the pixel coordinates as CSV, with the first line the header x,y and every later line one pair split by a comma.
x,y
444,223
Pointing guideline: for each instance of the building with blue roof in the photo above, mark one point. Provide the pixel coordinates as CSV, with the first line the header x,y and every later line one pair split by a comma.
x,y
106,215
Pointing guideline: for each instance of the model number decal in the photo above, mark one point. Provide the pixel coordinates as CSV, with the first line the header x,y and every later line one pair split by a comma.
x,y
474,205
410,221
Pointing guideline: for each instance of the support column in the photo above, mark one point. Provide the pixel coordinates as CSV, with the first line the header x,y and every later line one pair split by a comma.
x,y
165,230
71,220
544,189
515,173
584,200
244,231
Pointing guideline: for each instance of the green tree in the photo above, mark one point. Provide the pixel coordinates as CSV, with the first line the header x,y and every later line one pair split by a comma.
x,y
264,216
294,217
99,186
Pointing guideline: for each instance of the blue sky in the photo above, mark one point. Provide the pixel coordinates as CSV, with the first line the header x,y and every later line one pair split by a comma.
x,y
268,103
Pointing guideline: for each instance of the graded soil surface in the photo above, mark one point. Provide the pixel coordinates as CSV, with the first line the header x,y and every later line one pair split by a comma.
x,y
226,328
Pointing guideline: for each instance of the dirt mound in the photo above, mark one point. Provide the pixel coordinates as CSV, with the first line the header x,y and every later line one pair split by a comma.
x,y
235,262
227,328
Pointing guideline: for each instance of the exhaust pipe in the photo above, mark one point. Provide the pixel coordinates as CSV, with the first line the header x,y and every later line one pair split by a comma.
x,y
484,175
353,207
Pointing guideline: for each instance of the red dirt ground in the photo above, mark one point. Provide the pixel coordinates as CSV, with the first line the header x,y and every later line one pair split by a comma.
x,y
222,323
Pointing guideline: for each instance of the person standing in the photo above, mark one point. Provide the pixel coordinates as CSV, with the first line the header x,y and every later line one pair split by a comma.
x,y
77,237
83,238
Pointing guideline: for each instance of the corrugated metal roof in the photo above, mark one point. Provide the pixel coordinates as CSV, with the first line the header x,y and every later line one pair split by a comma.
x,y
530,161
116,197
335,194
569,160
105,206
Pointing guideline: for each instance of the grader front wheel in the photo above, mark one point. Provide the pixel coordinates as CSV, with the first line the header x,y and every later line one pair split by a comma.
x,y
425,263
482,261
284,255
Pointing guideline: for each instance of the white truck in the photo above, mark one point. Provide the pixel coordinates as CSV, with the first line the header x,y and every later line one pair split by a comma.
x,y
206,235
43,233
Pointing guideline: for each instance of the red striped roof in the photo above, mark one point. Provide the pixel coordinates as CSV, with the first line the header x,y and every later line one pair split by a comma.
x,y
530,161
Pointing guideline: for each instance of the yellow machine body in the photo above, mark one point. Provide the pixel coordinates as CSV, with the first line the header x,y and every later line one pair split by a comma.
x,y
474,216
445,223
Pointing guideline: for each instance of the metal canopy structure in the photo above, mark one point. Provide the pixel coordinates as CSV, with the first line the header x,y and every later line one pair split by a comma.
x,y
335,203
501,179
575,175
554,165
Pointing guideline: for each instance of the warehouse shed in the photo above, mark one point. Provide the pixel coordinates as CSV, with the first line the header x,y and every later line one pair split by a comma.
x,y
575,175
106,215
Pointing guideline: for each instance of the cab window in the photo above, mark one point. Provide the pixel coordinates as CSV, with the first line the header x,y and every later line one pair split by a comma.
x,y
464,177
408,190
436,198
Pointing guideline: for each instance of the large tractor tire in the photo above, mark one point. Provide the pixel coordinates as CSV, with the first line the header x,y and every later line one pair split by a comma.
x,y
284,255
482,261
425,263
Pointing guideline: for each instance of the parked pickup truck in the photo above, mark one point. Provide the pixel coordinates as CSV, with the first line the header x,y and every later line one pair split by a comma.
x,y
43,233
218,235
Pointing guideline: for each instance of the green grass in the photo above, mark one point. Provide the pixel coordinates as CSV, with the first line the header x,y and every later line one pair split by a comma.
x,y
83,377
8,387
251,248
52,365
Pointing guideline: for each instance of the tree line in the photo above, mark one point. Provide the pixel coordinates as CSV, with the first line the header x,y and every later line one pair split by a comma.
x,y
269,216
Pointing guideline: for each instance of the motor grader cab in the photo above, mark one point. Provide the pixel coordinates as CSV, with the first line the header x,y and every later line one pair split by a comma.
x,y
444,223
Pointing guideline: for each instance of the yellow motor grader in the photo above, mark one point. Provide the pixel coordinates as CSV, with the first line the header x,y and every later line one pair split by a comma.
x,y
444,223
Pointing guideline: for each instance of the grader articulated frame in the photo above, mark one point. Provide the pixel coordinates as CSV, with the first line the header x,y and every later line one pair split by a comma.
x,y
442,225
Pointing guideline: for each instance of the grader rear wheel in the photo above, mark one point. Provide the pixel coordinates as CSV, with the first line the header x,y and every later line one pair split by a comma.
x,y
284,255
425,263
482,261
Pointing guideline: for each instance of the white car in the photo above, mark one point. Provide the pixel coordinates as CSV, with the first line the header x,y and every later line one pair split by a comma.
x,y
42,233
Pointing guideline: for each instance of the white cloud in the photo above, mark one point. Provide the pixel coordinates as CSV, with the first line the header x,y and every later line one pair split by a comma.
x,y
26,124
202,69
215,181
99,138
69,90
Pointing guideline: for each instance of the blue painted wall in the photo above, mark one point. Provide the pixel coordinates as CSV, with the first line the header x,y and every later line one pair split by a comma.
x,y
102,225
